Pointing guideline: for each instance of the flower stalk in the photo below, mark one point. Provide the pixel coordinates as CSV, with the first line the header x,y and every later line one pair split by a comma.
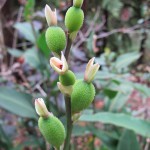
x,y
69,123
68,84
68,104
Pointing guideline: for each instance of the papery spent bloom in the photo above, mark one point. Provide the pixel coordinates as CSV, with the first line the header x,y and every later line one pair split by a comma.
x,y
59,65
51,16
91,70
66,90
40,108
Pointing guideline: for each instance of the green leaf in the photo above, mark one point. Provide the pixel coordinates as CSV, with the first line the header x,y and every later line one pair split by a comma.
x,y
29,8
111,89
30,141
17,102
142,88
25,29
32,58
127,59
110,93
108,139
41,42
121,98
80,131
128,141
4,139
113,6
101,75
140,126
15,52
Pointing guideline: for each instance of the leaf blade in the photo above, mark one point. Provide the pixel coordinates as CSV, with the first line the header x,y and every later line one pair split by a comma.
x,y
128,141
17,102
127,59
137,125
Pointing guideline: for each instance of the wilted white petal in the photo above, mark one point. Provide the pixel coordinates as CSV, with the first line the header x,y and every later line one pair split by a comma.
x,y
91,70
66,90
60,66
51,16
40,108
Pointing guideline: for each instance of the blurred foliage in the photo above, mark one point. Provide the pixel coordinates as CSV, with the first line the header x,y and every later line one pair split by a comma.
x,y
118,37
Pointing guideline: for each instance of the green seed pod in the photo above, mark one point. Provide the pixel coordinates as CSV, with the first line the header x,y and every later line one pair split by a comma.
x,y
55,39
52,130
67,79
82,95
74,19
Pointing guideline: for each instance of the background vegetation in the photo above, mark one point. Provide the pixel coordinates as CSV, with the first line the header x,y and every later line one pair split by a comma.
x,y
117,33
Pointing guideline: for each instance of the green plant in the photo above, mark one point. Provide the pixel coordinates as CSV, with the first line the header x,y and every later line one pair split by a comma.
x,y
78,93
119,29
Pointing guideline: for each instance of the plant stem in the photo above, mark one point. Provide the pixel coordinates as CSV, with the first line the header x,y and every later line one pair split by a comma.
x,y
69,43
33,30
68,104
69,123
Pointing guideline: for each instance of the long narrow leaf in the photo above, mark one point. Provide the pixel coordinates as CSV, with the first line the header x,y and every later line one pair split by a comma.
x,y
17,102
139,126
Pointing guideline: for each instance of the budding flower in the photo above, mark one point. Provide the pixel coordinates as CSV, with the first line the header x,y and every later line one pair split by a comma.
x,y
59,65
51,16
40,108
66,90
91,70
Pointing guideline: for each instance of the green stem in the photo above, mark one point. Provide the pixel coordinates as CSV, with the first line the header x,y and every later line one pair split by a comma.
x,y
68,104
69,123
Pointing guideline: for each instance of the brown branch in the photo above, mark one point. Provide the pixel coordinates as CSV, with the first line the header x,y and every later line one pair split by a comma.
x,y
83,37
15,36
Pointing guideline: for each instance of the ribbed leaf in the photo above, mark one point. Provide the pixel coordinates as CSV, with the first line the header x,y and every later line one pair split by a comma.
x,y
15,52
127,59
140,126
17,102
128,141
121,98
25,29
